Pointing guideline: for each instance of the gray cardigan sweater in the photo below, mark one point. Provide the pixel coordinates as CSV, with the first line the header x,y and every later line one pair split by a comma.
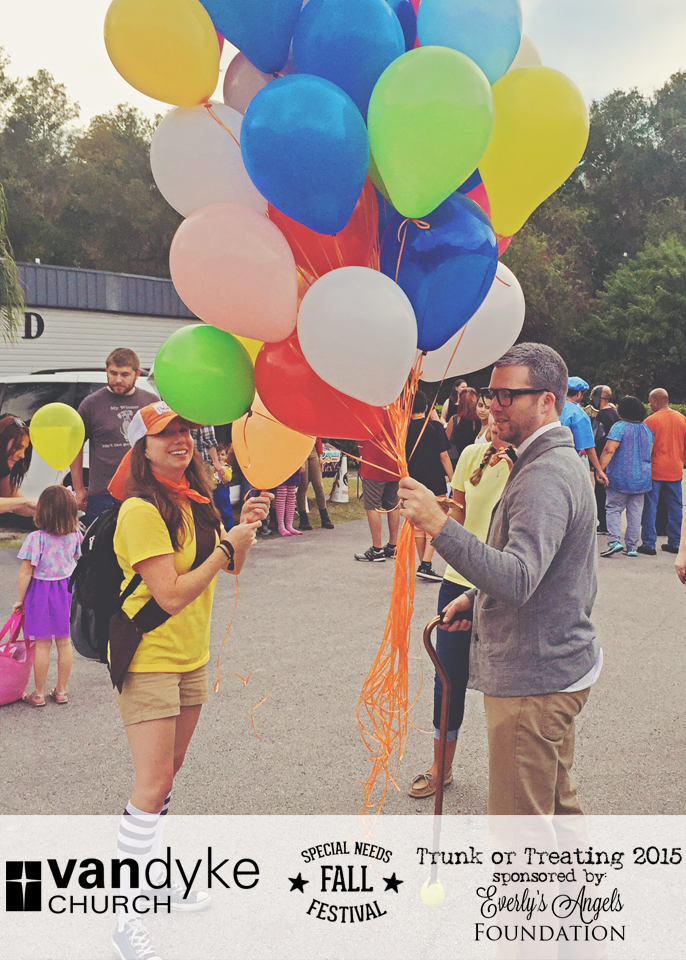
x,y
535,575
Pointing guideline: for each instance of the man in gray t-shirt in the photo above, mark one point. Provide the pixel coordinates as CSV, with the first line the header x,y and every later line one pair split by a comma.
x,y
106,416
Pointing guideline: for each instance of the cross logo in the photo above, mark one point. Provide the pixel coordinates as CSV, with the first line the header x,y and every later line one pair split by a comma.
x,y
23,886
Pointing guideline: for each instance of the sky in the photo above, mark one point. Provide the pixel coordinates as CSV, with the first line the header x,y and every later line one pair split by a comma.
x,y
600,44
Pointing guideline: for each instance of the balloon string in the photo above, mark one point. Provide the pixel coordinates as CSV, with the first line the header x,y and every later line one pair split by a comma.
x,y
422,224
382,710
235,606
208,107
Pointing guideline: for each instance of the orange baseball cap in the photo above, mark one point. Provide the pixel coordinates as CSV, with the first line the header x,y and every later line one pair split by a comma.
x,y
146,422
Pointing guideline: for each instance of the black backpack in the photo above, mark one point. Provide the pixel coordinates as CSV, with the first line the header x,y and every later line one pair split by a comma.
x,y
95,586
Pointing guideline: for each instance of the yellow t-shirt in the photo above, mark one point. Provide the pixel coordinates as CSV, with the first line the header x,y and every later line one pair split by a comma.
x,y
480,499
182,643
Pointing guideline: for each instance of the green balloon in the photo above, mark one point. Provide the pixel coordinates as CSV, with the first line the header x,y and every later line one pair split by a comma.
x,y
205,375
430,120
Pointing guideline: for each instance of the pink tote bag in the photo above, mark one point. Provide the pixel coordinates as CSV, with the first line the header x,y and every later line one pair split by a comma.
x,y
16,660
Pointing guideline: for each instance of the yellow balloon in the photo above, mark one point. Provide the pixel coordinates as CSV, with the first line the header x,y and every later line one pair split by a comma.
x,y
252,346
377,179
540,134
167,49
57,434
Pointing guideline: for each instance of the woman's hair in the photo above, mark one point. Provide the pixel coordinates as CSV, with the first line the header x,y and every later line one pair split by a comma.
x,y
631,408
12,432
420,403
475,478
453,392
57,511
466,406
144,483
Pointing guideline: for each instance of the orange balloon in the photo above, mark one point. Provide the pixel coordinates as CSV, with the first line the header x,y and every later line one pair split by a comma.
x,y
267,452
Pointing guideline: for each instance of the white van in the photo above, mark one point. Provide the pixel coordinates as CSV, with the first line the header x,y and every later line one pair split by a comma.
x,y
22,396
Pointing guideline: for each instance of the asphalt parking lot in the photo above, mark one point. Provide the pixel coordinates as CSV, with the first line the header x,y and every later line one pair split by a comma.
x,y
308,624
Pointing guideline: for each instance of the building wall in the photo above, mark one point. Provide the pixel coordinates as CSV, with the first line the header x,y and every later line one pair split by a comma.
x,y
57,339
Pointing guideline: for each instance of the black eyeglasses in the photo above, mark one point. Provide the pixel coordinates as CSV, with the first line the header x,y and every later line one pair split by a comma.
x,y
505,396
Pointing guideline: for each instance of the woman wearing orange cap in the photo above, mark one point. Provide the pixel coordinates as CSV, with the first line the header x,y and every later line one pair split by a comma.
x,y
170,545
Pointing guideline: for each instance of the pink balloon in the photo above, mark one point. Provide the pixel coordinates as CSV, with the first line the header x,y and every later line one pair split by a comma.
x,y
233,268
242,81
479,195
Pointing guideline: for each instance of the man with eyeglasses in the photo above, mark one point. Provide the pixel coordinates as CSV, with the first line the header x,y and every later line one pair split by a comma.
x,y
534,652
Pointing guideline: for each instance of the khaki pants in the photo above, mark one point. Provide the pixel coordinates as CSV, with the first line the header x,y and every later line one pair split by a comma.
x,y
530,753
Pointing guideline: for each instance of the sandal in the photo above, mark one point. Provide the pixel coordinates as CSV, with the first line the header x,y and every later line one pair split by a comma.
x,y
424,784
58,697
33,699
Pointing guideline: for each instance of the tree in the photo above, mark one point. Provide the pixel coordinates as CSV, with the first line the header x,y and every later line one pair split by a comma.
x,y
637,330
35,160
115,217
11,293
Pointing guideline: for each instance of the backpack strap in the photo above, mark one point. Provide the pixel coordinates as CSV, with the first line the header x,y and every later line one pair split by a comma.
x,y
151,615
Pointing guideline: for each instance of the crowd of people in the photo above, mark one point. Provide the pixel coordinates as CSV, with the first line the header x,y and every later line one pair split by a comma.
x,y
510,484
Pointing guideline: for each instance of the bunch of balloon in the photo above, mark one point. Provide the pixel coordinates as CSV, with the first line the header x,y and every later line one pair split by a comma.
x,y
345,206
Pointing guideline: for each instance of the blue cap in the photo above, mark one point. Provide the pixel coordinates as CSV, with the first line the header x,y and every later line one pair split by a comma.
x,y
576,383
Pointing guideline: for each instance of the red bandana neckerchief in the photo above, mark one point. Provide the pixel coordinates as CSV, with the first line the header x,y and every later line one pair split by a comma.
x,y
183,490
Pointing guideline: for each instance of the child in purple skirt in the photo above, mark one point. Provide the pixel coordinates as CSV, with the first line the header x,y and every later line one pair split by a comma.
x,y
48,556
284,504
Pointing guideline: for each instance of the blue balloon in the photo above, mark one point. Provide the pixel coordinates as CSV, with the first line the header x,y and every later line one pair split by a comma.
x,y
305,147
487,31
471,183
349,43
261,29
446,270
404,11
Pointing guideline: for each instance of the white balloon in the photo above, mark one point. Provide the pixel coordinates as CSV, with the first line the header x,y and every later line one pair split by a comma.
x,y
527,55
242,81
358,331
196,162
488,334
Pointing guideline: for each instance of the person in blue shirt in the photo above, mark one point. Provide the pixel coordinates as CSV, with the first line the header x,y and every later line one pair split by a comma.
x,y
579,422
627,456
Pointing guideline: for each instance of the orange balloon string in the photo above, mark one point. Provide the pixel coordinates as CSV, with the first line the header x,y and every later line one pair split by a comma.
x,y
252,718
422,224
208,107
235,607
382,710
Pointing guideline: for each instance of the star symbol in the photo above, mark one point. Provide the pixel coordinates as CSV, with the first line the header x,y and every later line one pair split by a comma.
x,y
392,883
297,883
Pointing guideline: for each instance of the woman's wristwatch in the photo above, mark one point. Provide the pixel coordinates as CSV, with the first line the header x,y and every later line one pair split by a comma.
x,y
227,547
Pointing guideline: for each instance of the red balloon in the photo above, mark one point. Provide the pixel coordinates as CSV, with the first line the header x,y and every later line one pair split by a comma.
x,y
301,400
319,253
503,244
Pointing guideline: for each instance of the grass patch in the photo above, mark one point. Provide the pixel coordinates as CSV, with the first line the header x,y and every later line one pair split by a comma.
x,y
339,512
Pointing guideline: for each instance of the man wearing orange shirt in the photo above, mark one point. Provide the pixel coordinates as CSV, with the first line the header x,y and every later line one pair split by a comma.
x,y
668,458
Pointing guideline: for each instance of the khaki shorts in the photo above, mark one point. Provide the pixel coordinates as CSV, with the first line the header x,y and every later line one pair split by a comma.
x,y
380,494
154,696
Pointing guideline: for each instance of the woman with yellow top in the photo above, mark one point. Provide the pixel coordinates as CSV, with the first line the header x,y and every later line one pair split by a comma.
x,y
170,534
477,483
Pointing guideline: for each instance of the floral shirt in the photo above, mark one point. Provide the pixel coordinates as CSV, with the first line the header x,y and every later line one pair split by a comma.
x,y
52,557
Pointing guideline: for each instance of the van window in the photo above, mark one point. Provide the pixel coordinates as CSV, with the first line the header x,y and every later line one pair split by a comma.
x,y
24,399
83,390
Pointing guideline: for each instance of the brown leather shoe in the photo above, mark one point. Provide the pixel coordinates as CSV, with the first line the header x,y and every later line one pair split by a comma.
x,y
424,784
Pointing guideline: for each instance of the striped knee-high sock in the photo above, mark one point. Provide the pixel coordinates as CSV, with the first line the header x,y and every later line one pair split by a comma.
x,y
290,510
156,851
280,509
135,842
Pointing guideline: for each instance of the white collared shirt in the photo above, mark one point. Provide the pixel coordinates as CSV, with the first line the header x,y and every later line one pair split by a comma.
x,y
537,433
